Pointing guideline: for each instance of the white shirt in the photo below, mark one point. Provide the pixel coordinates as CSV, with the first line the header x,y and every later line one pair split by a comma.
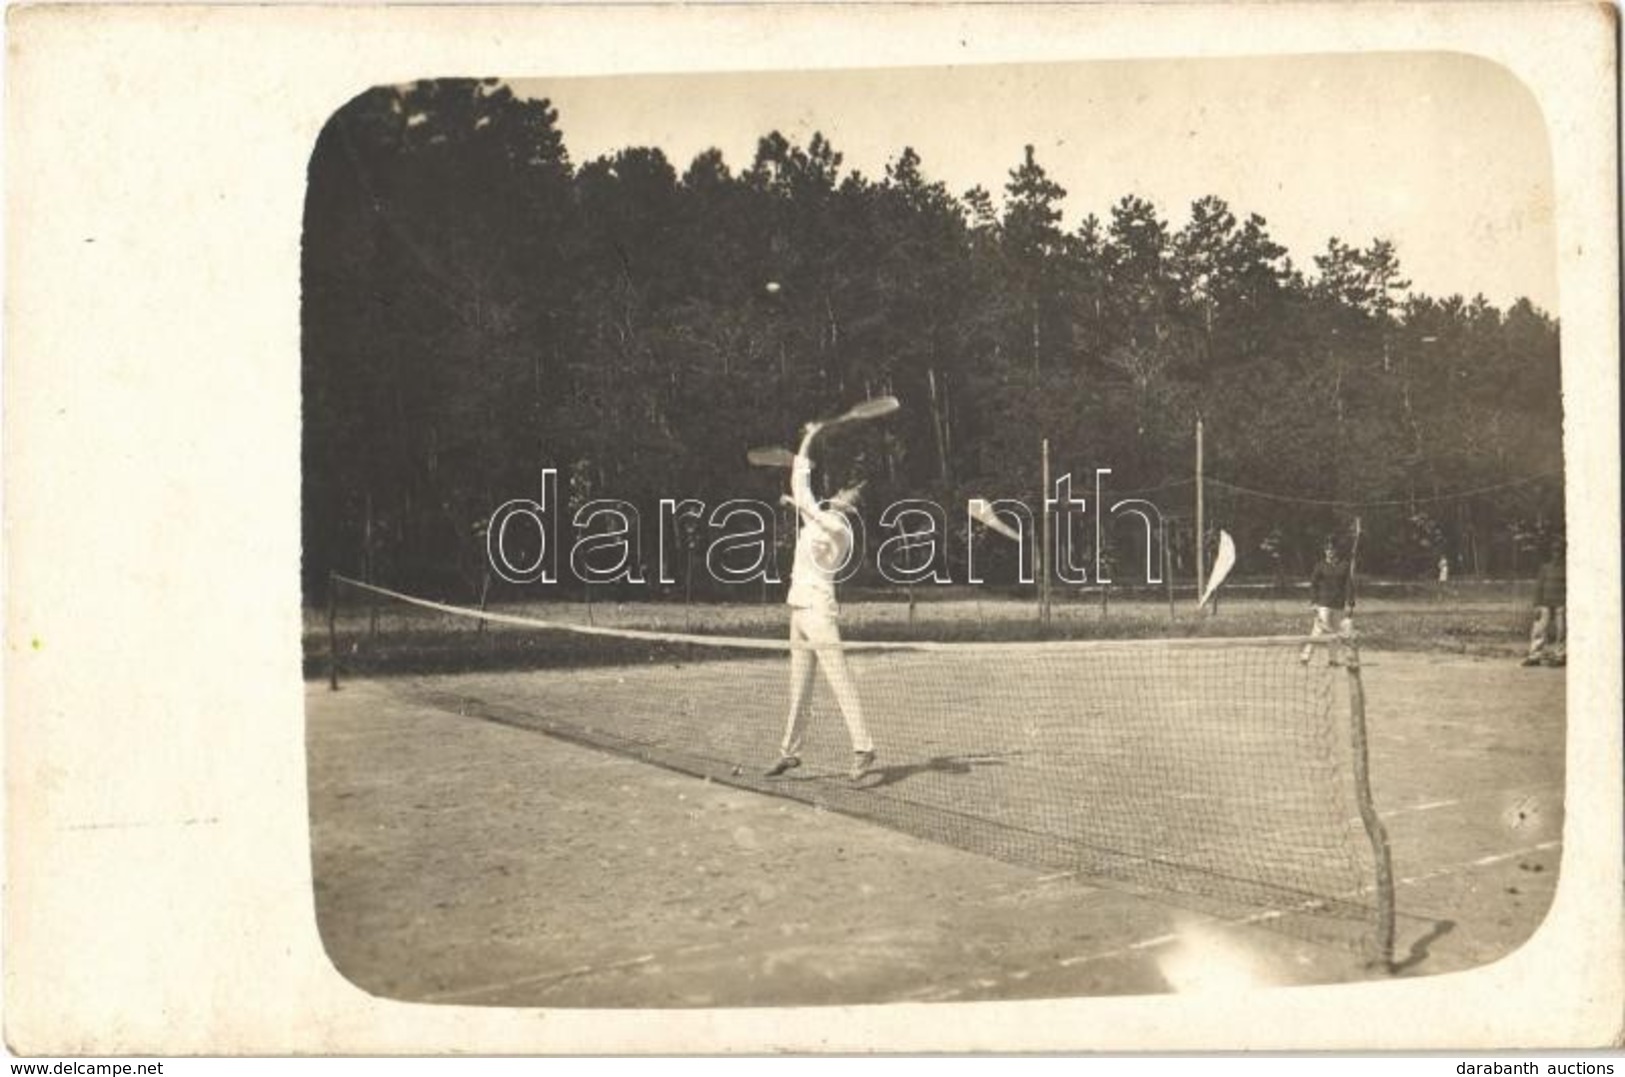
x,y
822,545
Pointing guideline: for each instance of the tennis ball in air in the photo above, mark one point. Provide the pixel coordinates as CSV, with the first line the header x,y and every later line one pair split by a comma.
x,y
772,287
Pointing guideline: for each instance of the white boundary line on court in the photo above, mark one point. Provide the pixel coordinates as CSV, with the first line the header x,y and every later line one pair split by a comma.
x,y
462,994
1481,862
1451,869
1158,941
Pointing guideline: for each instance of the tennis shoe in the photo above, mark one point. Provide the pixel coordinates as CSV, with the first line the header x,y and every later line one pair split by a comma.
x,y
861,762
785,764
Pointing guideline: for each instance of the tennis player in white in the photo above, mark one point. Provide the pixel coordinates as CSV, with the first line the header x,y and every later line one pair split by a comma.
x,y
823,544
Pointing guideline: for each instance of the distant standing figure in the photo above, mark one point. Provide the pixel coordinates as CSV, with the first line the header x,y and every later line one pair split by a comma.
x,y
1331,594
1548,636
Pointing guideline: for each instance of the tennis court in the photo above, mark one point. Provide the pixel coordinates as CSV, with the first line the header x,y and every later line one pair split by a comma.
x,y
463,854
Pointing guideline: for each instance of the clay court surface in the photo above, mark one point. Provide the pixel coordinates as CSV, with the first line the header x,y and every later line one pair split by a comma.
x,y
467,861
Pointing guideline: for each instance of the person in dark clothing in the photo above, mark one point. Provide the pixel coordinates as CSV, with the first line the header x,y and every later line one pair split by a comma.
x,y
1331,595
1548,636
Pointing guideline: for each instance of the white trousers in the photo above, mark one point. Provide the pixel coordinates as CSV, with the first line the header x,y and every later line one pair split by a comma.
x,y
1323,626
818,626
1549,635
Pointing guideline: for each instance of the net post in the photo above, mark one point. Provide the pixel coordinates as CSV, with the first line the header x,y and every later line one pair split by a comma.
x,y
332,632
1376,833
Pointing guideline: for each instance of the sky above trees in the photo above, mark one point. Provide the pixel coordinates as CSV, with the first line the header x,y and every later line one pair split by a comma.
x,y
1444,155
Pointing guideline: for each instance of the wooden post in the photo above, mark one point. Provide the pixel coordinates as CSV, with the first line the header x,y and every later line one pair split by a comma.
x,y
1100,515
1201,533
1045,552
366,572
688,584
939,424
1167,565
332,632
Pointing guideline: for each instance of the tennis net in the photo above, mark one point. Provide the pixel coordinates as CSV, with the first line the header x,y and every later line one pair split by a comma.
x,y
1226,775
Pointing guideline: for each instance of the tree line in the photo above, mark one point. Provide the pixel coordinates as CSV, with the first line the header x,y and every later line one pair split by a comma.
x,y
477,308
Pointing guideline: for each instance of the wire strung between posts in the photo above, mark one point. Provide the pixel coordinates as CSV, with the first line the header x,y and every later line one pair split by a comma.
x,y
1403,501
1169,485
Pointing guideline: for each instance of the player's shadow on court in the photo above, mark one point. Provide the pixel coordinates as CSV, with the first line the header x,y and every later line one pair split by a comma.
x,y
942,764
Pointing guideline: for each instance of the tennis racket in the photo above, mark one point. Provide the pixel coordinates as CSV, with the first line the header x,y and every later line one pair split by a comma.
x,y
771,456
876,408
983,513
